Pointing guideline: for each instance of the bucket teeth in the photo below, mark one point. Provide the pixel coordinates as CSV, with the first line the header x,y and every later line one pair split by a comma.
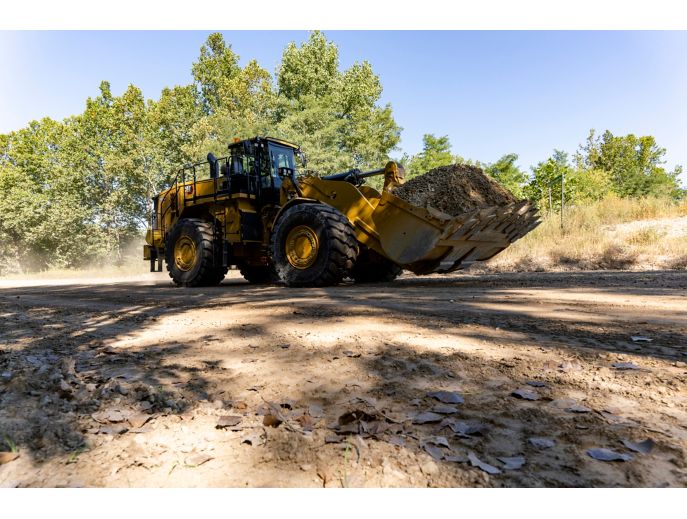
x,y
477,236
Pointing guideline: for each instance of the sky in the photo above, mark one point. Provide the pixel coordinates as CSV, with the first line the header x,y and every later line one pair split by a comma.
x,y
490,92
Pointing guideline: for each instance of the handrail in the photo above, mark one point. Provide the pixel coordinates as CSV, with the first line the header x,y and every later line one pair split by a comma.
x,y
178,183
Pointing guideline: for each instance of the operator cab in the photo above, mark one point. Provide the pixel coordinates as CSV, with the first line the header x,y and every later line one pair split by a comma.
x,y
256,167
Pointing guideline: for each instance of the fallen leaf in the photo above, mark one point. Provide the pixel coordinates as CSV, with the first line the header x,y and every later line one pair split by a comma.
x,y
113,429
373,428
227,421
640,338
512,463
536,383
439,441
427,417
608,455
355,416
563,403
578,408
397,440
446,397
444,409
565,367
465,428
110,415
272,420
254,439
625,365
395,417
456,458
643,447
6,457
542,443
138,420
525,394
349,428
476,462
197,460
262,410
333,438
434,451
305,421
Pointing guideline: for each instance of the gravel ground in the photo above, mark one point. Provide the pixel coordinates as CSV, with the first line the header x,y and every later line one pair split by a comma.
x,y
463,380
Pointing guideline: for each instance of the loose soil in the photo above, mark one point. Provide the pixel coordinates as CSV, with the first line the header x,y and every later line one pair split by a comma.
x,y
462,380
454,189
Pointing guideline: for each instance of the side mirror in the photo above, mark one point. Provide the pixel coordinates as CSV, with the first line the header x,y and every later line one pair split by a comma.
x,y
304,159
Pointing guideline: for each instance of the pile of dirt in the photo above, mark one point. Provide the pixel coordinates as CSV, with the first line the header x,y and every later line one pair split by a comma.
x,y
454,189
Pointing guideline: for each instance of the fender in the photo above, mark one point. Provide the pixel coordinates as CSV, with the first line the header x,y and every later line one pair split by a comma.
x,y
291,203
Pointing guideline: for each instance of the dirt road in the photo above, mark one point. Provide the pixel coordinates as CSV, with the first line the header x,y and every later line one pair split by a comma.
x,y
139,383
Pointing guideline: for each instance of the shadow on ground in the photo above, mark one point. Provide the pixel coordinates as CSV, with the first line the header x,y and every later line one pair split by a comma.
x,y
62,379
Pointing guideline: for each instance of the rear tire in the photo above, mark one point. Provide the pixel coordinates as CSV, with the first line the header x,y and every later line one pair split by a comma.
x,y
190,254
372,267
313,245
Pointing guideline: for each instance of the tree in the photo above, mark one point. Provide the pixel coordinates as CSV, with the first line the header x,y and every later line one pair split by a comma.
x,y
634,164
214,73
334,115
311,69
546,178
507,173
436,152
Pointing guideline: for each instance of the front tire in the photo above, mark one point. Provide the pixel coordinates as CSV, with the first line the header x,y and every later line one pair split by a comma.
x,y
313,245
190,254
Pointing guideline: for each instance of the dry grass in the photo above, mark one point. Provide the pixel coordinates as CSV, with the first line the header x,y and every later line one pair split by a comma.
x,y
614,233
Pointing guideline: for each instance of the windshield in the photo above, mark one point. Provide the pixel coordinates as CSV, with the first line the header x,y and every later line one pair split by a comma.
x,y
282,157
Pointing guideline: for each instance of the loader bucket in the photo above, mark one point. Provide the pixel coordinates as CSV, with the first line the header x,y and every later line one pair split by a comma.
x,y
426,240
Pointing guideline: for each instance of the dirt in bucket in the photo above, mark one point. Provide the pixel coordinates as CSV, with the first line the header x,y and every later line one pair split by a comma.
x,y
454,189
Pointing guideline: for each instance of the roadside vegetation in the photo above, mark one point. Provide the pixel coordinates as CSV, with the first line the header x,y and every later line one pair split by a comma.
x,y
614,233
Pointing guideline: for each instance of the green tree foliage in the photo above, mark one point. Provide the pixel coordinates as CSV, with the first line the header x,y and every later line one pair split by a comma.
x,y
333,114
436,152
545,183
634,164
76,191
509,174
309,70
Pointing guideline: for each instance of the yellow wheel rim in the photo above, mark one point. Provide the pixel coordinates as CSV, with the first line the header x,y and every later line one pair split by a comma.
x,y
302,247
185,253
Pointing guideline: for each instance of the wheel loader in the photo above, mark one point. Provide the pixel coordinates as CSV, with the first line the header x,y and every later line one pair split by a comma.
x,y
253,211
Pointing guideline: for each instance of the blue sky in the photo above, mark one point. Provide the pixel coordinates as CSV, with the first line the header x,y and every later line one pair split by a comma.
x,y
491,92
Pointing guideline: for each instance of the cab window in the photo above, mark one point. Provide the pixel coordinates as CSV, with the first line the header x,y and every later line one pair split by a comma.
x,y
282,157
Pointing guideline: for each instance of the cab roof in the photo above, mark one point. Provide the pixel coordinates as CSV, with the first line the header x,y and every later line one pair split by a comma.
x,y
266,139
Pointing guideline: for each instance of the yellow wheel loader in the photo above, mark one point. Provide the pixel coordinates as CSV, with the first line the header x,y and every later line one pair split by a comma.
x,y
252,211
